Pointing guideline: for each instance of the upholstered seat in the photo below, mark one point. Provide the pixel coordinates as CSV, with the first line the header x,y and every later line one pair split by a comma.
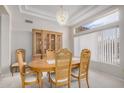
x,y
75,71
51,61
53,78
16,64
30,77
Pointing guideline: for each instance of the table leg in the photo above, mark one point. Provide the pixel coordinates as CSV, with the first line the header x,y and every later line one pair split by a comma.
x,y
39,77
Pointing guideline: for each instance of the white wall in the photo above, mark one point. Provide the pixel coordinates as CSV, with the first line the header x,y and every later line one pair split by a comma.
x,y
22,39
5,43
0,43
4,40
21,32
71,40
122,38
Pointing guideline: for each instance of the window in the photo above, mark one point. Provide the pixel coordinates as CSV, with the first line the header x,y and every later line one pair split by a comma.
x,y
103,43
108,46
86,41
99,22
103,21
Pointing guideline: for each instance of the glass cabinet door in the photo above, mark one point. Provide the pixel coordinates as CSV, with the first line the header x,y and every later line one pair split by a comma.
x,y
46,42
38,43
59,42
52,41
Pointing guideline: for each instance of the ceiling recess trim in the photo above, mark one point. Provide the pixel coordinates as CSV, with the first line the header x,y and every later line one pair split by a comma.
x,y
31,11
79,15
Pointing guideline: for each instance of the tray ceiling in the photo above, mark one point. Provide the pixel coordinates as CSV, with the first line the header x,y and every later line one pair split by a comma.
x,y
76,12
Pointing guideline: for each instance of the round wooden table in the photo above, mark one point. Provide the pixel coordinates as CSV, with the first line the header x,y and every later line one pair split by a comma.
x,y
43,66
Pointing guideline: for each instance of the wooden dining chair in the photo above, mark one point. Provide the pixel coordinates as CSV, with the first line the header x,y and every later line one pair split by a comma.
x,y
23,53
15,66
36,58
28,77
62,74
82,72
50,57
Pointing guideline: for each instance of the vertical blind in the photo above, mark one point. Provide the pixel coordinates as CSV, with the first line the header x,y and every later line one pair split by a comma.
x,y
104,45
108,46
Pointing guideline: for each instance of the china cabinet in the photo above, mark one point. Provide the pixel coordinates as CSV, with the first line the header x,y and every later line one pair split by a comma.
x,y
45,40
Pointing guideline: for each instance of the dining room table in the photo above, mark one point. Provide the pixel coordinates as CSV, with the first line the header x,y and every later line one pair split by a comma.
x,y
44,65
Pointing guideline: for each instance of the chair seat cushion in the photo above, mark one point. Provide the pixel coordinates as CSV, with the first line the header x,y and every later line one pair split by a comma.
x,y
53,78
75,58
51,61
16,64
30,77
75,71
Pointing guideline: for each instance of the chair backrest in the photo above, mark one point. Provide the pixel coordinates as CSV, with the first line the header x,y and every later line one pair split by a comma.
x,y
21,62
50,54
23,53
84,61
63,64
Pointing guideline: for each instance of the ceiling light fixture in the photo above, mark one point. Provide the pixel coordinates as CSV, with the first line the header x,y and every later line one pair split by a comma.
x,y
62,16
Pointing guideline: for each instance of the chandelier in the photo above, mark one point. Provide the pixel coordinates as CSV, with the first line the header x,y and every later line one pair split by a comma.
x,y
62,16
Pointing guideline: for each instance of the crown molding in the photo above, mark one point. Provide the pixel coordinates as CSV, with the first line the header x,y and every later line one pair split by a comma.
x,y
31,11
80,15
81,12
88,13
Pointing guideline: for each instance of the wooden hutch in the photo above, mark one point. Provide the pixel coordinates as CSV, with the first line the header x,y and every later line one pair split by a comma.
x,y
43,40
